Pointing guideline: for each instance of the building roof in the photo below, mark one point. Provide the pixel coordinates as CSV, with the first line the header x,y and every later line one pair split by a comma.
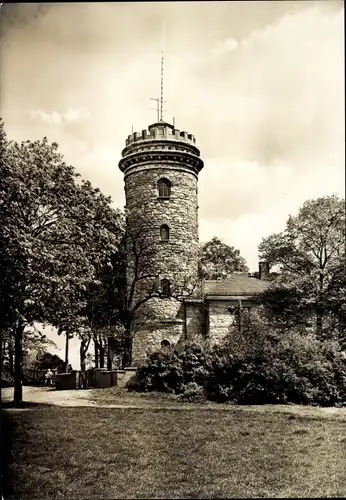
x,y
239,284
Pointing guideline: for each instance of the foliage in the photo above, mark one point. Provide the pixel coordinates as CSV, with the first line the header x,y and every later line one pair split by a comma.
x,y
36,364
194,393
219,261
105,303
55,230
161,372
259,365
196,362
34,342
268,366
47,360
6,377
172,370
311,256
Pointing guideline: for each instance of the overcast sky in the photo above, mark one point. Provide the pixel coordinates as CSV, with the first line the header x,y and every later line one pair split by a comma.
x,y
260,85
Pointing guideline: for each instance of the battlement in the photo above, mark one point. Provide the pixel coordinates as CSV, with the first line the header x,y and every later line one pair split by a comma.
x,y
161,130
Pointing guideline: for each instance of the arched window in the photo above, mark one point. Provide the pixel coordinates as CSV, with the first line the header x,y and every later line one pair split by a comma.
x,y
165,288
165,344
164,188
164,232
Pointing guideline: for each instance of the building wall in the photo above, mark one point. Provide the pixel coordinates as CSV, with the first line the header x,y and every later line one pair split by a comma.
x,y
148,338
195,321
211,320
220,320
176,259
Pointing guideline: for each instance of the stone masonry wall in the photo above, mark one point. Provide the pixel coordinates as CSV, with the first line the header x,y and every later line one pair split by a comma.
x,y
195,321
149,338
220,321
176,259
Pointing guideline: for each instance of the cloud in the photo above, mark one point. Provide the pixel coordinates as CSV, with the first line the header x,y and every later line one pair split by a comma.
x,y
79,114
225,46
280,93
52,117
72,115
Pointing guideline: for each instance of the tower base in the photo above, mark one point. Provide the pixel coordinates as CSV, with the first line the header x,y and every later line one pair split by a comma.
x,y
156,334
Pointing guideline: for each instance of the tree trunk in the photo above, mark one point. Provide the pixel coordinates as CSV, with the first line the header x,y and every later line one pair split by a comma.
x,y
82,357
109,354
66,350
102,355
319,308
127,359
18,358
240,317
96,350
10,359
185,320
2,351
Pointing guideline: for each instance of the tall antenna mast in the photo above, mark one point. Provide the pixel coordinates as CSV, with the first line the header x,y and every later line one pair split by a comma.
x,y
162,60
161,107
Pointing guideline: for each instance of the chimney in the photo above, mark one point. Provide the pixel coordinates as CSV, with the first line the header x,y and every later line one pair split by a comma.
x,y
263,270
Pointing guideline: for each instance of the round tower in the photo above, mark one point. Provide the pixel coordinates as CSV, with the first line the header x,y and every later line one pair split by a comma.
x,y
160,167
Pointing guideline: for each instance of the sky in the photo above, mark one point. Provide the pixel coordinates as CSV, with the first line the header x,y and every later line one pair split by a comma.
x,y
259,84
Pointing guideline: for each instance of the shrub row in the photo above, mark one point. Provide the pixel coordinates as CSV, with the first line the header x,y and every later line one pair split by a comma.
x,y
255,367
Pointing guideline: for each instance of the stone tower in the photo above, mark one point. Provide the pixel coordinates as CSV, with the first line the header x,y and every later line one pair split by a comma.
x,y
161,167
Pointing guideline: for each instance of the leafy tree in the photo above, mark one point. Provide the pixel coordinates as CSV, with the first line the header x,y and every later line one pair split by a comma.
x,y
47,360
335,304
36,362
54,231
34,344
219,261
105,303
311,255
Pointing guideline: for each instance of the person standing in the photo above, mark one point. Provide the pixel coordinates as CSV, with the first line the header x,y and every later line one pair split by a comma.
x,y
48,377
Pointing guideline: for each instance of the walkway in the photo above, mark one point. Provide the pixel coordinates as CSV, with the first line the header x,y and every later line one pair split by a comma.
x,y
51,396
80,398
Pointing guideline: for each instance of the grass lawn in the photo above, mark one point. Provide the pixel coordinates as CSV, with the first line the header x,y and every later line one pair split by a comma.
x,y
121,396
104,453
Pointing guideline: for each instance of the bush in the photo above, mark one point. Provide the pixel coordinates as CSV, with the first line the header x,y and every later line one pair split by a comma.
x,y
196,363
260,365
162,371
291,367
313,371
172,370
6,379
194,393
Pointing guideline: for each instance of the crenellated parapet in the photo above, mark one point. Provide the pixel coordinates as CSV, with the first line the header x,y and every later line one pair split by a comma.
x,y
160,130
161,143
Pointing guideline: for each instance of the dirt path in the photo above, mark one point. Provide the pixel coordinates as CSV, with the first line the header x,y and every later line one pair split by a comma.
x,y
75,398
51,396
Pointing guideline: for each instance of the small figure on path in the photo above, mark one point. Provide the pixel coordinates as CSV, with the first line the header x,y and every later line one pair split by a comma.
x,y
48,377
